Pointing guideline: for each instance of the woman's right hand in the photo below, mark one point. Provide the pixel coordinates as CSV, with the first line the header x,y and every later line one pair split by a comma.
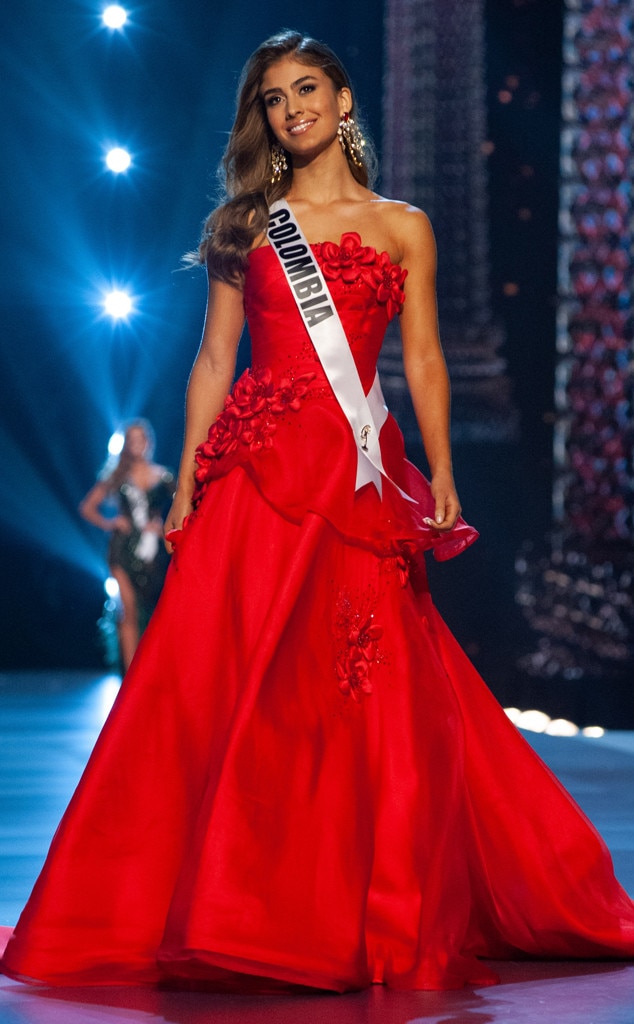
x,y
121,524
181,507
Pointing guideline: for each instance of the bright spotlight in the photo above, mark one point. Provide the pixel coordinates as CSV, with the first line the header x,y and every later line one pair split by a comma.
x,y
513,714
106,694
594,731
118,304
115,446
111,587
534,721
118,160
561,727
114,16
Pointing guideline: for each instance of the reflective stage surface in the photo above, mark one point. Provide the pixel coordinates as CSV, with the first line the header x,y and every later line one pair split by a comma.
x,y
48,724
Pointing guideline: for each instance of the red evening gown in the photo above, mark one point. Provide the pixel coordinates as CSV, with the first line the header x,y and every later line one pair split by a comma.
x,y
303,779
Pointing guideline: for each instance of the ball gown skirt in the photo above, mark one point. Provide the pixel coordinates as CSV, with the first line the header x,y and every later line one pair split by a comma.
x,y
303,780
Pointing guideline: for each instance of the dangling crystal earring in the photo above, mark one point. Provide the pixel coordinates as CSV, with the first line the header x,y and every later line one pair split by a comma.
x,y
351,139
278,162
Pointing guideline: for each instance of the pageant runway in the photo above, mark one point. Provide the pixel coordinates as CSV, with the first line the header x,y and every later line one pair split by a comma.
x,y
48,724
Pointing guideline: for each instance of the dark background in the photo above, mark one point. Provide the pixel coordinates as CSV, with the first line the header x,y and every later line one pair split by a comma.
x,y
68,376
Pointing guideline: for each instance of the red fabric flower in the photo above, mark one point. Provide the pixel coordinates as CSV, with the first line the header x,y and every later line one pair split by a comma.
x,y
362,640
247,421
388,278
250,394
349,260
258,434
288,393
354,678
358,649
404,560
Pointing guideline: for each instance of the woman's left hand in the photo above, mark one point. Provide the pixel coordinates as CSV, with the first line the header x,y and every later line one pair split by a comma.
x,y
446,502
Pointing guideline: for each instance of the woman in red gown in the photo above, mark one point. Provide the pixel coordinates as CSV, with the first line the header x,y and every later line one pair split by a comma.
x,y
303,779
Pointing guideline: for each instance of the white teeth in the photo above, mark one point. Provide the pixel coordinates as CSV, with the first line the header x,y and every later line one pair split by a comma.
x,y
301,127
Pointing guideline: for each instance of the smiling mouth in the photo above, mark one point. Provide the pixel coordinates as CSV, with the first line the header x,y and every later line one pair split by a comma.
x,y
298,129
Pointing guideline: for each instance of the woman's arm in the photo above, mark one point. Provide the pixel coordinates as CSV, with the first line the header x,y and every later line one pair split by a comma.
x,y
89,510
423,360
209,384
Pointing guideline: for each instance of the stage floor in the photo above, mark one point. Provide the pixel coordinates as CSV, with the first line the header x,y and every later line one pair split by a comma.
x,y
48,724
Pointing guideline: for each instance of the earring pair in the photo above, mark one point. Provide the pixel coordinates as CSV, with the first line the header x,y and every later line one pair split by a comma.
x,y
351,140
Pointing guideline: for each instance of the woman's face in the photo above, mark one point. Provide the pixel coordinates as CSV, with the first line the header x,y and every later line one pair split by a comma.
x,y
303,107
136,442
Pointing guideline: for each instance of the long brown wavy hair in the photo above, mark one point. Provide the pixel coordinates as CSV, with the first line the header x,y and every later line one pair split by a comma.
x,y
117,469
231,229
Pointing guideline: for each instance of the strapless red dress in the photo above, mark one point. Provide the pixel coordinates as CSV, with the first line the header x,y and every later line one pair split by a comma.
x,y
303,779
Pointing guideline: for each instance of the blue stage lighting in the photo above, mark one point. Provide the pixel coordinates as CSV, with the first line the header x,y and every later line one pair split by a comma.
x,y
105,694
118,159
118,304
28,492
111,587
114,16
115,444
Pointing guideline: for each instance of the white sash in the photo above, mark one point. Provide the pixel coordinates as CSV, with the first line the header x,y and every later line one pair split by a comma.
x,y
365,414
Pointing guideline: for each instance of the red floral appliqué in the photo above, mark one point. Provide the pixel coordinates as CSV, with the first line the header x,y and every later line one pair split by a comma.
x,y
388,279
247,421
359,635
349,260
405,552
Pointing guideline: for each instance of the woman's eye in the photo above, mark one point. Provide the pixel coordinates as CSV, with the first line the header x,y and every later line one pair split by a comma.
x,y
272,101
307,88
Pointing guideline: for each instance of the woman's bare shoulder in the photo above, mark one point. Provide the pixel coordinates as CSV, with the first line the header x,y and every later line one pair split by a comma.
x,y
408,226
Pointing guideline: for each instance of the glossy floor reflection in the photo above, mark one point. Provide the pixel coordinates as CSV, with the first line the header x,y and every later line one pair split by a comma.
x,y
48,723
